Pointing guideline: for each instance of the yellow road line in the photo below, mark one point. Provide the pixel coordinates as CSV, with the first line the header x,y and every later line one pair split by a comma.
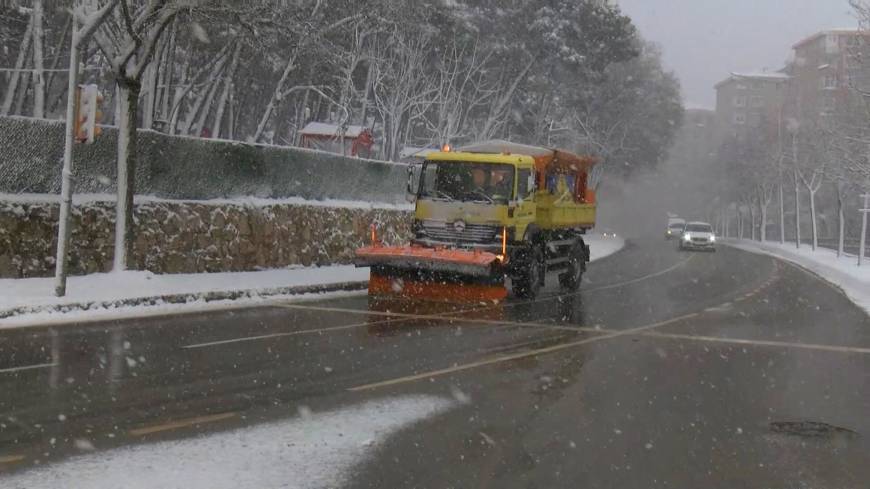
x,y
11,459
515,356
182,423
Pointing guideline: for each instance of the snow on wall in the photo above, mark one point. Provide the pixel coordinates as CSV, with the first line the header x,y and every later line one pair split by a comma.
x,y
191,168
193,237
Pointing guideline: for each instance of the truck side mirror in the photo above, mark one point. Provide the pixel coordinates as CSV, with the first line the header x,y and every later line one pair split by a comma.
x,y
410,190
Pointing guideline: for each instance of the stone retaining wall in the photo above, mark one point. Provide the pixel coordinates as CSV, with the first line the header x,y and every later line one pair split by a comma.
x,y
192,237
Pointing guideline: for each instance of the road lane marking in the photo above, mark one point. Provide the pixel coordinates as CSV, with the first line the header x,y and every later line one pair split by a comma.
x,y
182,423
11,459
290,333
27,367
780,344
447,317
515,356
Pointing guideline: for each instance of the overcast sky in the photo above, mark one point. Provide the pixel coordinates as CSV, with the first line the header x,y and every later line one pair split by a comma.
x,y
705,40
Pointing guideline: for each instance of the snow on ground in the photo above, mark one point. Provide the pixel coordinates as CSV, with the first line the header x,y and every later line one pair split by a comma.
x,y
306,452
99,291
842,272
26,302
79,199
600,247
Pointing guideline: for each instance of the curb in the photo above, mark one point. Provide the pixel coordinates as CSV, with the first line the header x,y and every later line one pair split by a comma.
x,y
187,298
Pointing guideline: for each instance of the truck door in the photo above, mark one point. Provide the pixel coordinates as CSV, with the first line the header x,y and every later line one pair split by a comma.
x,y
526,208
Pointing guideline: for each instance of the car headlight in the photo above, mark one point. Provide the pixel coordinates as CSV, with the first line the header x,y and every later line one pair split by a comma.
x,y
712,238
687,237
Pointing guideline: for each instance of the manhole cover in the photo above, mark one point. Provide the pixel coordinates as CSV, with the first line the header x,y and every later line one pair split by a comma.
x,y
810,429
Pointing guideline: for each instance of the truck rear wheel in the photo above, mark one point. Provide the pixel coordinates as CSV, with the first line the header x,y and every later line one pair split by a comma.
x,y
530,277
572,277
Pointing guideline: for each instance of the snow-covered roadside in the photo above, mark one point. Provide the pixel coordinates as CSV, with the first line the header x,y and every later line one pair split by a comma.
x,y
307,452
842,272
25,302
79,199
133,294
600,247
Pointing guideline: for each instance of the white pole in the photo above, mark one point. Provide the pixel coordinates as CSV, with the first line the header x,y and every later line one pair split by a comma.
x,y
63,231
863,244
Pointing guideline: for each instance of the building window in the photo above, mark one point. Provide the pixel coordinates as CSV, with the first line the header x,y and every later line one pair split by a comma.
x,y
756,101
832,45
741,86
829,82
740,101
740,119
758,85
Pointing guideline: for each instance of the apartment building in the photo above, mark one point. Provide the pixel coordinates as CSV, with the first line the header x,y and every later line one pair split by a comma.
x,y
751,102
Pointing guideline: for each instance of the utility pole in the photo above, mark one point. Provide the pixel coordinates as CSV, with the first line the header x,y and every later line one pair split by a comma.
x,y
863,245
63,233
80,35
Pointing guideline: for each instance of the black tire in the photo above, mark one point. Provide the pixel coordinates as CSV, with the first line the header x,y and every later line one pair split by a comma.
x,y
530,277
571,279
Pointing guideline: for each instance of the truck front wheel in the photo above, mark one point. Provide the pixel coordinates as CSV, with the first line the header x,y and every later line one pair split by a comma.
x,y
529,277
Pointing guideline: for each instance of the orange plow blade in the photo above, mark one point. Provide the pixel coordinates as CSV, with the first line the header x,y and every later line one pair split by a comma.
x,y
381,285
445,275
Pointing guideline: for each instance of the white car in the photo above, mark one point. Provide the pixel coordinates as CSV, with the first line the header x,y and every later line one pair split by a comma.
x,y
675,228
698,236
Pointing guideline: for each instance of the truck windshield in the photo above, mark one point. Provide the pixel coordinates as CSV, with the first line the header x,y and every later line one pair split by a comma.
x,y
468,182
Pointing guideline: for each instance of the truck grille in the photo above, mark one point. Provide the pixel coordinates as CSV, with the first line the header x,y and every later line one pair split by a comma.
x,y
473,233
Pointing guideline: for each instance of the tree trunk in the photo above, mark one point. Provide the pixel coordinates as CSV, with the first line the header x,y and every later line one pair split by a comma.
x,y
200,103
222,102
364,106
38,61
150,89
12,87
53,102
752,221
763,231
797,211
841,222
781,209
277,95
128,92
813,224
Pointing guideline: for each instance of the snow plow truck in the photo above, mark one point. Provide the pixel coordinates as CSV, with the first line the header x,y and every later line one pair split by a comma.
x,y
486,213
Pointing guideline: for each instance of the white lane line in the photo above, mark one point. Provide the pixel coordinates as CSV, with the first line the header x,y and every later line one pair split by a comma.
x,y
448,316
27,367
282,335
515,356
778,344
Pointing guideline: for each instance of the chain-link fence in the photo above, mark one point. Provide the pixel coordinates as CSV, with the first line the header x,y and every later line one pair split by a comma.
x,y
31,157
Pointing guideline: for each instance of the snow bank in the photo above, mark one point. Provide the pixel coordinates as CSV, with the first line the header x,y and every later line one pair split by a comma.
x,y
308,452
842,272
116,294
241,201
600,247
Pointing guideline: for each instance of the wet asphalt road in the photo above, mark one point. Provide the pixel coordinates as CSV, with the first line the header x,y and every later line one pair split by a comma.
x,y
669,369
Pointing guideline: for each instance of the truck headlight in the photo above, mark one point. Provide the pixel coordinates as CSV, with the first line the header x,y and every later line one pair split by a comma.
x,y
687,237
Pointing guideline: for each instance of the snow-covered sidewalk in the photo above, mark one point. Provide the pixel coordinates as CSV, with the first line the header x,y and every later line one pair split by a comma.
x,y
842,272
103,296
136,294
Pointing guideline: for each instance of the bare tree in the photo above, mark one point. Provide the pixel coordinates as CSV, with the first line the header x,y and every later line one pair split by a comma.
x,y
128,42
